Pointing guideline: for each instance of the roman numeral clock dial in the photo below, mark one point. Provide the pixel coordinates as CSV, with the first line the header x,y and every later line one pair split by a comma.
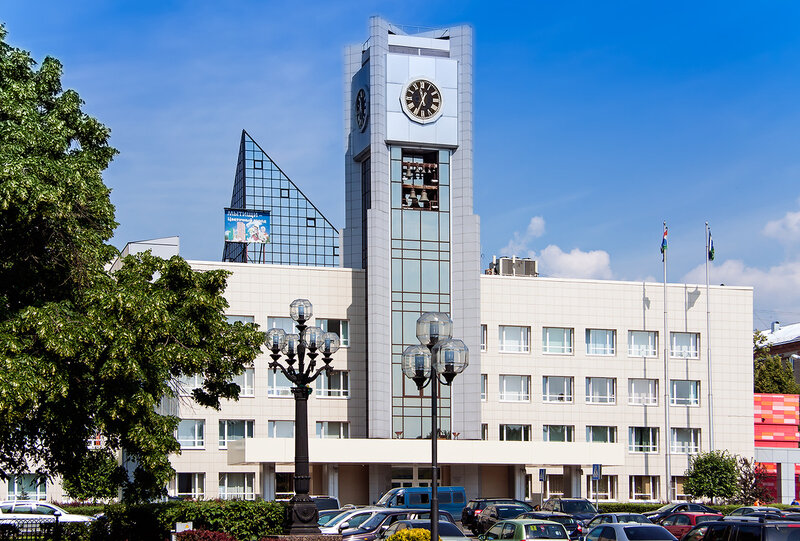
x,y
422,100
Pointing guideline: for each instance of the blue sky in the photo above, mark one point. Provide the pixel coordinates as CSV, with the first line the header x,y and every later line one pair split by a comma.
x,y
594,122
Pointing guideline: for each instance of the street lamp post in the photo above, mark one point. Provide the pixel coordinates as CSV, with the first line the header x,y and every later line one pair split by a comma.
x,y
437,360
308,342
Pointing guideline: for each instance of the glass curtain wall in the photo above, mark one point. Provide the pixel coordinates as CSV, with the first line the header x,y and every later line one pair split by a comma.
x,y
420,191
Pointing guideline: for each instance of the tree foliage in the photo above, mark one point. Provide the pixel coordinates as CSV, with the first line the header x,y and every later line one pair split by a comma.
x,y
712,474
87,352
770,373
751,483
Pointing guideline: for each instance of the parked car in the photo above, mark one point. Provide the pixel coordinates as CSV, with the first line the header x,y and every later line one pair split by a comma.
x,y
625,531
381,518
32,509
678,524
696,533
750,530
574,527
327,515
755,508
451,499
495,513
469,515
678,507
613,518
324,503
448,531
580,508
524,529
348,518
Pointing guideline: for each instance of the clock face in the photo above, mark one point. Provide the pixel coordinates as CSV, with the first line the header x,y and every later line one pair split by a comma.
x,y
362,109
422,100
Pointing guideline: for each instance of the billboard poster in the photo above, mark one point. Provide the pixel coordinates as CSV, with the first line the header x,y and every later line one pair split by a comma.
x,y
250,226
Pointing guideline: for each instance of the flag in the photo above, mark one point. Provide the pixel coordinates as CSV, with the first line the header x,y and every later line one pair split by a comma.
x,y
664,244
710,246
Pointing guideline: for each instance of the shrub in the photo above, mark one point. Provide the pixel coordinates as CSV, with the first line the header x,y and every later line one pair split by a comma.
x,y
204,535
411,534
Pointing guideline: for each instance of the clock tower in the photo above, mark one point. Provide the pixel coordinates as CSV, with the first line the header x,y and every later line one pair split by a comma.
x,y
409,215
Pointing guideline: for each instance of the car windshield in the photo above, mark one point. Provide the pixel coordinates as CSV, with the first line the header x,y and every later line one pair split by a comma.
x,y
664,508
577,507
705,518
566,521
326,517
373,522
544,531
653,533
641,519
386,498
509,511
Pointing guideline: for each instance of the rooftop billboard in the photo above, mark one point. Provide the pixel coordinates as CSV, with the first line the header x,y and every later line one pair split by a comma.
x,y
248,226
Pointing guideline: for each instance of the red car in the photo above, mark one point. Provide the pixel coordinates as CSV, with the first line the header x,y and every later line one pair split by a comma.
x,y
680,523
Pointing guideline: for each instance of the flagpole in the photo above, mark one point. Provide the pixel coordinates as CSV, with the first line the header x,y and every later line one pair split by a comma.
x,y
708,344
667,383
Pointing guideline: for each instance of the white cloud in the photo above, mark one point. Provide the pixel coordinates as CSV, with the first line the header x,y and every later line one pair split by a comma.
x,y
575,264
518,245
786,229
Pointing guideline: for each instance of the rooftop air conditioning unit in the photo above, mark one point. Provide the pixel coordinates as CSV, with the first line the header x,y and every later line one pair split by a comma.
x,y
506,266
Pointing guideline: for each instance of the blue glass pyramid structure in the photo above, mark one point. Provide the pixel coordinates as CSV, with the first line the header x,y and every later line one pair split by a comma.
x,y
299,233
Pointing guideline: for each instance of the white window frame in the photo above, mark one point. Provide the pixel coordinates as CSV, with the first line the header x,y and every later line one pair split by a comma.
x,y
197,483
275,427
197,429
484,431
484,387
609,385
525,430
524,345
605,348
484,337
610,431
644,447
278,385
606,488
225,426
243,319
679,481
186,384
344,329
690,442
693,397
514,388
565,348
246,382
324,429
230,491
682,350
286,323
337,385
636,398
565,397
655,488
555,485
569,433
638,348
25,487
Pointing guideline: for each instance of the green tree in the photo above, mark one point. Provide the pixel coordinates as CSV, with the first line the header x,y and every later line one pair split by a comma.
x,y
711,475
85,352
770,373
751,486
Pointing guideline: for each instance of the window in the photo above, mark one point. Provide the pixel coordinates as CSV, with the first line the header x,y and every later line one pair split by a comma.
x,y
644,487
186,384
484,431
642,343
558,433
245,382
230,430
190,433
337,385
258,164
601,434
684,392
600,342
278,384
339,326
606,488
189,485
26,487
683,345
236,486
285,193
311,222
280,429
515,388
601,390
686,440
515,432
242,319
555,485
643,439
484,337
556,389
556,340
484,384
677,488
285,323
643,392
333,429
514,339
